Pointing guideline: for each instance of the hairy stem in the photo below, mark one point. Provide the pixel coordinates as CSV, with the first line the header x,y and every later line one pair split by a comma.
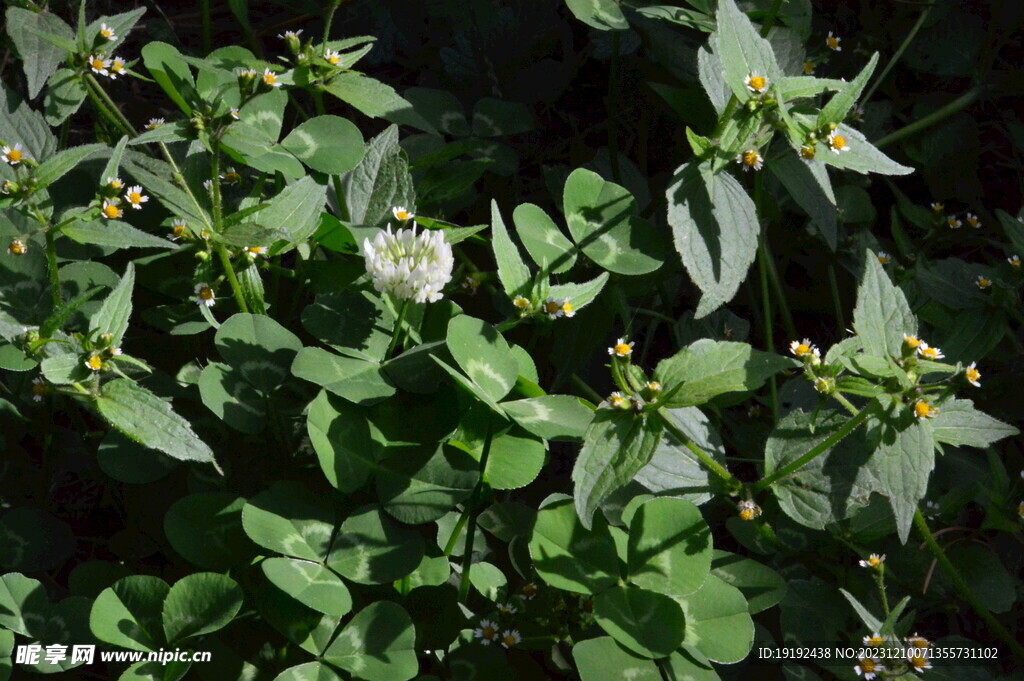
x,y
897,54
51,267
229,271
934,118
718,469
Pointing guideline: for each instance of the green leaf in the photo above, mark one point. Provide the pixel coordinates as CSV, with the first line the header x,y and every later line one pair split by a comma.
x,y
205,528
842,102
65,93
154,175
121,23
55,167
715,228
669,547
718,622
113,233
296,209
549,248
170,71
602,218
113,315
39,57
710,72
600,659
128,614
483,354
353,322
357,380
329,144
552,417
258,347
376,100
310,671
742,50
604,15
862,157
422,484
286,519
872,623
311,584
583,294
378,644
512,271
798,87
19,122
882,316
762,586
62,314
566,555
959,424
707,369
127,461
370,548
247,234
200,603
340,433
617,446
36,540
515,460
145,418
496,118
674,469
809,185
901,464
379,182
646,623
234,400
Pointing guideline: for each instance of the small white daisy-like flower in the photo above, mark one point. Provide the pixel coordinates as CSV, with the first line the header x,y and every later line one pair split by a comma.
x,y
808,68
874,640
12,155
621,348
408,265
553,308
919,661
567,309
529,591
857,113
918,642
7,187
521,303
617,401
873,561
884,257
487,632
177,229
973,220
804,348
111,210
653,387
1014,261
135,197
269,78
510,638
750,160
923,410
868,667
204,234
937,206
205,295
756,83
232,176
114,184
116,67
247,74
107,33
824,385
115,352
953,222
913,342
154,123
807,151
290,35
94,363
837,143
929,352
401,213
17,247
507,609
253,252
40,389
234,114
208,185
832,41
332,57
99,65
748,510
931,508
972,374
983,282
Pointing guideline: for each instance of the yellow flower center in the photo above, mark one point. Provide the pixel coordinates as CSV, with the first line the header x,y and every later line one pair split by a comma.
x,y
179,230
97,64
111,211
521,303
95,363
832,41
334,59
757,83
972,221
883,259
567,307
402,215
39,389
808,67
623,349
488,632
838,142
529,590
919,642
269,78
972,374
807,151
1015,261
255,250
930,353
106,33
114,184
14,155
984,283
918,661
938,207
206,293
875,641
802,349
911,341
751,158
921,410
17,247
510,640
117,65
616,401
867,665
134,197
747,514
551,307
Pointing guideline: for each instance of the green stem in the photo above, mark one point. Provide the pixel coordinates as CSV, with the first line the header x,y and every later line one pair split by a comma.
x,y
965,591
780,293
180,179
769,321
835,296
119,117
331,9
456,533
398,328
218,212
706,459
814,452
51,266
897,54
229,271
770,19
101,108
583,387
880,581
845,402
954,107
471,511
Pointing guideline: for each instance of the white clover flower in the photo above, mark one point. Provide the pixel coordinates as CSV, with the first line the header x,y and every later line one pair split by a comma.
x,y
487,632
837,143
135,197
750,160
99,65
204,295
756,83
107,33
873,561
510,638
154,123
410,266
621,348
270,78
972,375
116,67
401,213
832,41
12,155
